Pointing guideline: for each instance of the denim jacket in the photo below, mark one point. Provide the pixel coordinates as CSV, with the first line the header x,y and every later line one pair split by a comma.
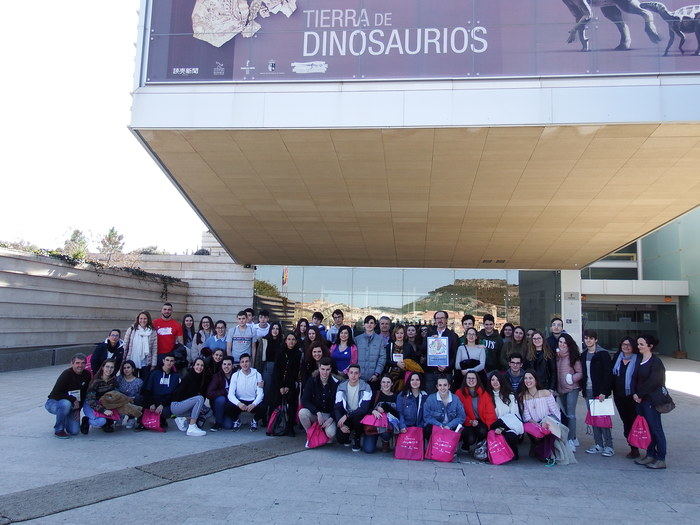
x,y
435,411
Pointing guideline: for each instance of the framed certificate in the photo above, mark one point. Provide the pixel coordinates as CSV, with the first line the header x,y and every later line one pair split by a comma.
x,y
438,348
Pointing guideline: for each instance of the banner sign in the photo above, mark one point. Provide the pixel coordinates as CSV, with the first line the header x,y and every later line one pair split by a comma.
x,y
316,40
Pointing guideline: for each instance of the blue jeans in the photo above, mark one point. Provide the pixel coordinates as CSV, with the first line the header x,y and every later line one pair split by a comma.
x,y
657,447
369,442
568,406
222,412
94,420
66,418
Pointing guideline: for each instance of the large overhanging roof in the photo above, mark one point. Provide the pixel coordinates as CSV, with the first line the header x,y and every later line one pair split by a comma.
x,y
490,197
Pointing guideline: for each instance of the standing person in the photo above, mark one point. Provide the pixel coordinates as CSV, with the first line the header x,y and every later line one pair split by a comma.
x,y
569,375
479,409
509,422
471,356
318,399
492,342
130,385
556,328
518,344
370,353
338,323
169,332
158,390
468,321
104,381
650,381
344,351
440,330
217,393
541,359
538,403
410,403
240,338
317,321
401,357
300,330
262,327
110,348
314,338
249,316
187,402
218,340
625,364
67,396
285,376
385,330
596,381
383,402
204,332
188,337
515,373
246,394
274,346
352,402
506,332
312,359
442,409
413,336
141,345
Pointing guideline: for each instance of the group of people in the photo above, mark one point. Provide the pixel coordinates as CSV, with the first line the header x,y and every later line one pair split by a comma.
x,y
513,382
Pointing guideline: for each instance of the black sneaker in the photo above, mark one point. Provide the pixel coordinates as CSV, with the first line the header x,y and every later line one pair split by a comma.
x,y
356,444
84,425
138,427
108,426
215,427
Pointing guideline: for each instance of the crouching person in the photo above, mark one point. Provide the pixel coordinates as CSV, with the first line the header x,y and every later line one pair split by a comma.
x,y
158,390
318,399
103,382
352,402
246,394
188,399
217,392
67,396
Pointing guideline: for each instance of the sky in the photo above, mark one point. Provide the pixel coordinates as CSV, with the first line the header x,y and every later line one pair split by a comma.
x,y
68,156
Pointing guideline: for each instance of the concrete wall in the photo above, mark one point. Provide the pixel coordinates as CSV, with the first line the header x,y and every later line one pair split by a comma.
x,y
673,253
45,302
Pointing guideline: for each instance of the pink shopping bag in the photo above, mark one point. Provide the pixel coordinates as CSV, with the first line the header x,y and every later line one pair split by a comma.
x,y
379,422
409,445
442,445
639,436
535,430
498,450
151,420
316,436
598,421
114,417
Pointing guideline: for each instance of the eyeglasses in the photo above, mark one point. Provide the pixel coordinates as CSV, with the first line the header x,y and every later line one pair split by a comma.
x,y
516,363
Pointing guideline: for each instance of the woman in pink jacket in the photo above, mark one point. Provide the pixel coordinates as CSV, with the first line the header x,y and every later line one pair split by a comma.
x,y
569,374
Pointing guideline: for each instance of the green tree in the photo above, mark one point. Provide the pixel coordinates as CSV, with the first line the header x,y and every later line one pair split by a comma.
x,y
150,250
76,246
265,289
111,243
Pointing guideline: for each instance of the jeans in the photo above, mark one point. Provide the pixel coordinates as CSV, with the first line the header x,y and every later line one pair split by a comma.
x,y
657,447
369,442
67,419
94,420
307,418
222,412
189,407
567,402
601,436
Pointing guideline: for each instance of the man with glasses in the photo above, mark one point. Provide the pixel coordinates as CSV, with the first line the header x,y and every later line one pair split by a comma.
x,y
440,330
338,320
556,328
492,342
515,372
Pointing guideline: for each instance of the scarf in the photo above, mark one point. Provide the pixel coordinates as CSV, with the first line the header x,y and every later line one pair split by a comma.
x,y
630,370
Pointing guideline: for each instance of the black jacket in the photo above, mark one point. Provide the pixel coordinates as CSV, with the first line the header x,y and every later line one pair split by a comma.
x,y
317,397
546,370
69,381
648,377
191,385
287,368
601,373
493,344
453,341
99,354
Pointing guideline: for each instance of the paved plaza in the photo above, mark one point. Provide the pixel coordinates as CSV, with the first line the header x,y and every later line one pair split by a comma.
x,y
246,477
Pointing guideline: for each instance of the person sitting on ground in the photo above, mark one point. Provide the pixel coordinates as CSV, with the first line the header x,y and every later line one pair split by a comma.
x,y
130,385
318,399
383,402
217,393
110,348
411,402
515,373
509,422
442,409
141,345
188,399
104,381
67,397
538,403
246,394
158,390
352,402
479,409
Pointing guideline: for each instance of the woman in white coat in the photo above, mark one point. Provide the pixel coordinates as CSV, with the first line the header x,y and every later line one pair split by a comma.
x,y
509,422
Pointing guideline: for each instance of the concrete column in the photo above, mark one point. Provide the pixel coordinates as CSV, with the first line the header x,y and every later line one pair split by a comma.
x,y
571,303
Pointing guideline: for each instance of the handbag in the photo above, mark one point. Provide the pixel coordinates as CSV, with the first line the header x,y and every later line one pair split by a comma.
x,y
535,430
598,421
316,436
377,422
442,445
409,445
150,419
498,450
279,422
639,435
662,401
114,416
481,451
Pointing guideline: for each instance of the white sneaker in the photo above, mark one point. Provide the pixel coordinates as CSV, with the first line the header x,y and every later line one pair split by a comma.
x,y
572,445
595,449
576,443
608,452
181,423
194,430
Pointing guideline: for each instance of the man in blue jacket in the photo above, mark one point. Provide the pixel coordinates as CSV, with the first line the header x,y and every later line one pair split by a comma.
x,y
352,403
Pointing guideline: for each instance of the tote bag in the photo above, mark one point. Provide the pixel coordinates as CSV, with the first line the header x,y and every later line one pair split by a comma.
x,y
409,445
499,451
442,445
639,435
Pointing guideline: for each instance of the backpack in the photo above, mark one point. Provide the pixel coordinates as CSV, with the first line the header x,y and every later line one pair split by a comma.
x,y
279,421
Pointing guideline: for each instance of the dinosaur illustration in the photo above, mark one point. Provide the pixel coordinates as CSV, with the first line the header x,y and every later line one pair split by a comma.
x,y
612,10
683,20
